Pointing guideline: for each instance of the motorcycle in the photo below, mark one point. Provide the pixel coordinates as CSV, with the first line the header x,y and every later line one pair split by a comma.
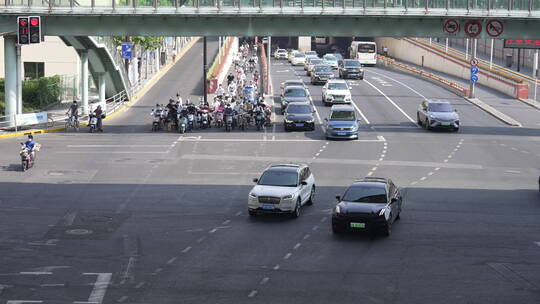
x,y
259,120
218,119
191,121
204,119
182,124
156,123
241,121
268,117
26,158
228,122
93,123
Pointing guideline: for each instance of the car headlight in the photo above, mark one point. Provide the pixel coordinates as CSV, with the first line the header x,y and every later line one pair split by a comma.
x,y
251,195
330,97
337,209
348,98
431,116
310,121
288,121
287,197
381,213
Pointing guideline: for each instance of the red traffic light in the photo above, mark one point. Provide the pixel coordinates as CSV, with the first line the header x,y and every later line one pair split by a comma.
x,y
34,21
23,22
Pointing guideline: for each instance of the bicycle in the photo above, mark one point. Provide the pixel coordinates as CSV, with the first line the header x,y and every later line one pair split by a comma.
x,y
72,122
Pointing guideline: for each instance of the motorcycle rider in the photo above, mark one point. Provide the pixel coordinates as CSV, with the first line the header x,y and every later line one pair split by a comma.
x,y
220,91
99,115
30,144
178,98
230,78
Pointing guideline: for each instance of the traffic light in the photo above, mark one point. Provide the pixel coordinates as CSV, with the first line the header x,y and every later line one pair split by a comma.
x,y
35,29
23,31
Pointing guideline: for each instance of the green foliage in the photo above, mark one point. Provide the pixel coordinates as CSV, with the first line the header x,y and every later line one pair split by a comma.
x,y
41,92
146,42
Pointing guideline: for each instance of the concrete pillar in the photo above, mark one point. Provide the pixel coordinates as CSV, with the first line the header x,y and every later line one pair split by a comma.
x,y
101,87
304,43
84,82
158,53
10,62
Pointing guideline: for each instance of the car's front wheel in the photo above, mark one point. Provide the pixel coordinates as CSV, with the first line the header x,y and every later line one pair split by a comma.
x,y
311,196
336,229
387,230
418,120
296,212
252,213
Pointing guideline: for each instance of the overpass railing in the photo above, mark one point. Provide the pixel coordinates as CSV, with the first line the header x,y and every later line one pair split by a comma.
x,y
179,5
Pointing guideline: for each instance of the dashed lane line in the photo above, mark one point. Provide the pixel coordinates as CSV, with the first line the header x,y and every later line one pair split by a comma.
x,y
393,103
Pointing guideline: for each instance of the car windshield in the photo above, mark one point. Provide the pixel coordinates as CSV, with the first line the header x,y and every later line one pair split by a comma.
x,y
330,58
299,55
352,63
282,51
279,178
323,68
337,86
366,48
315,61
342,115
311,53
294,83
365,194
338,56
295,92
298,109
440,107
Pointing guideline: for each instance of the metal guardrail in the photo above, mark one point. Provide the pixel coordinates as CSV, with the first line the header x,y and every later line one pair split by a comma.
x,y
427,5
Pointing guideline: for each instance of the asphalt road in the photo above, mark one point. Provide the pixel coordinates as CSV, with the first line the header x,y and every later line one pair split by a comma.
x,y
131,216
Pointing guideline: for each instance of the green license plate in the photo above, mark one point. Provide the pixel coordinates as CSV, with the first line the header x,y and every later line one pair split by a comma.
x,y
445,123
358,225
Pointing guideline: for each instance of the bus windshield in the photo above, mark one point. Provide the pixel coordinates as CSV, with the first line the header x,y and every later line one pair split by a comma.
x,y
366,48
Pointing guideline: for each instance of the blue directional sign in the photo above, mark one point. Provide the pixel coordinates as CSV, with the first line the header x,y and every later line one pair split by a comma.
x,y
474,78
474,70
127,50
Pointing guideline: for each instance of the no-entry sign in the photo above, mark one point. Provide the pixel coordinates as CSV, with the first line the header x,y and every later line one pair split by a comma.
x,y
494,28
473,28
451,26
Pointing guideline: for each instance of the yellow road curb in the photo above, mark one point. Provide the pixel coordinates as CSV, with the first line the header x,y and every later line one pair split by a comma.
x,y
133,100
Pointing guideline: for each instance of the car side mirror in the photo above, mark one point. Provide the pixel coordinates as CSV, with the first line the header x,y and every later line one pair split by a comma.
x,y
338,197
326,119
303,183
255,180
394,200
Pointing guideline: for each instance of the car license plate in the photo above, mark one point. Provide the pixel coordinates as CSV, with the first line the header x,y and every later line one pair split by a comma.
x,y
341,133
324,78
268,207
445,123
358,225
299,125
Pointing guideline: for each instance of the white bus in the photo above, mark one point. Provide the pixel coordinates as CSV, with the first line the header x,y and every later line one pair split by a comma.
x,y
364,51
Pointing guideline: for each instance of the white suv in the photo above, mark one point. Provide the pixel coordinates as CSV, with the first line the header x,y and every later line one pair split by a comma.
x,y
282,189
336,91
281,54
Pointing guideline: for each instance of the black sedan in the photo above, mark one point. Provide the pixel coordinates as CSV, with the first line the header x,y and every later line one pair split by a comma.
x,y
321,73
299,116
370,204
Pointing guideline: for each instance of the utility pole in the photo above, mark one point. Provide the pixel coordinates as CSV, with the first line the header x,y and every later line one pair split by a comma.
x,y
473,57
268,58
205,71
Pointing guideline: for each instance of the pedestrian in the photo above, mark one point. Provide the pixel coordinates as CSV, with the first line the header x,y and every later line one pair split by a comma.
x,y
230,79
385,51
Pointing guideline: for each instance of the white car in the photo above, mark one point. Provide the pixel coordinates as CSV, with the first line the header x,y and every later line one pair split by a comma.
x,y
291,54
281,54
336,91
298,59
282,189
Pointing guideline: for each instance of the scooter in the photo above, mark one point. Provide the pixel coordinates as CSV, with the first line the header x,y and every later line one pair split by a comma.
x,y
26,158
218,119
205,121
156,123
182,124
93,123
228,122
268,117
259,120
191,121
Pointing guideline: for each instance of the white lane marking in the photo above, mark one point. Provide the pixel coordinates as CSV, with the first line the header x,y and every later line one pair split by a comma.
x,y
408,87
100,287
158,270
514,149
201,239
423,178
171,260
374,169
238,213
392,102
53,285
276,267
35,272
318,116
112,152
526,152
288,255
122,299
512,171
70,218
188,248
315,227
247,140
252,294
537,243
22,301
360,112
370,173
264,280
317,154
430,173
226,222
380,159
321,150
438,168
118,146
445,161
414,183
381,138
306,236
139,285
129,269
323,219
297,246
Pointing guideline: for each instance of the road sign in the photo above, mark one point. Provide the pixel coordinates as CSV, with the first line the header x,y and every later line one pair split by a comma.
x,y
127,50
474,78
451,26
522,43
494,28
474,62
473,28
474,70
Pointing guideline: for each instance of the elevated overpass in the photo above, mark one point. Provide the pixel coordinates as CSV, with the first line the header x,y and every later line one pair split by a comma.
x,y
412,18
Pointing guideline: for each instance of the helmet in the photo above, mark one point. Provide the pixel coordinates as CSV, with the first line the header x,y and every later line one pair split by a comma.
x,y
30,136
157,105
75,102
99,107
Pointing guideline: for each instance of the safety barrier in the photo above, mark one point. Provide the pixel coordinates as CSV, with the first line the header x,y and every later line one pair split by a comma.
x,y
221,65
421,54
264,67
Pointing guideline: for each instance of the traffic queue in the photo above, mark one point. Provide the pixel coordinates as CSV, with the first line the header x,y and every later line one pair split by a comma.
x,y
238,105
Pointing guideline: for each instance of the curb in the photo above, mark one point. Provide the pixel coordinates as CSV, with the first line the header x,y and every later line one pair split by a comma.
x,y
531,103
124,107
494,112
